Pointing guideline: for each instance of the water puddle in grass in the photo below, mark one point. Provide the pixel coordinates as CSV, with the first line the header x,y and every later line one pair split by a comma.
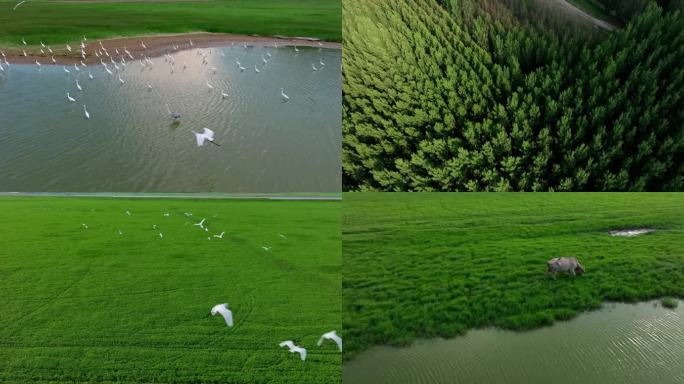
x,y
621,343
630,232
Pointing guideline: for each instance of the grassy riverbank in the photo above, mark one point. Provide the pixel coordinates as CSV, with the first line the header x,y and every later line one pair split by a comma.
x,y
59,22
428,265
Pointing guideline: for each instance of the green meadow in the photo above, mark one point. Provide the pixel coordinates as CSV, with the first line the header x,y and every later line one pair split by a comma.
x,y
56,22
95,305
435,265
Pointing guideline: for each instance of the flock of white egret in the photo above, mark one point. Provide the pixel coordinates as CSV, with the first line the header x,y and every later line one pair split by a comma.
x,y
223,309
114,61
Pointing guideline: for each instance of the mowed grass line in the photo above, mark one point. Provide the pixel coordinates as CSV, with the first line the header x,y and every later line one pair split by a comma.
x,y
428,265
92,305
54,22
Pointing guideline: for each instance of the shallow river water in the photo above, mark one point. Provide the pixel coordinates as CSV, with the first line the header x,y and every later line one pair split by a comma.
x,y
622,343
130,143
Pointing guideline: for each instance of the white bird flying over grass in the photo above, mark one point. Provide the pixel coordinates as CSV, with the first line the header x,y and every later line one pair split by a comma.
x,y
266,248
200,224
332,335
221,235
294,348
161,236
224,311
207,135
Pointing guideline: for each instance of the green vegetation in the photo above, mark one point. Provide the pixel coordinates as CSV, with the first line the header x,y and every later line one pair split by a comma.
x,y
669,302
437,264
593,8
56,22
90,305
479,96
626,9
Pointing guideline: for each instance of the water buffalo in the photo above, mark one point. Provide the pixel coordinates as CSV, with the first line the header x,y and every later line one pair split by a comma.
x,y
565,265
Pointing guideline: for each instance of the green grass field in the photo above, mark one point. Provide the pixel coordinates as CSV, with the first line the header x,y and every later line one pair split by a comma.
x,y
56,22
93,305
427,265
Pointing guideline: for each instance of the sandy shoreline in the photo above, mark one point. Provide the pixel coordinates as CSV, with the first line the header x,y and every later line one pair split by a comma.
x,y
156,45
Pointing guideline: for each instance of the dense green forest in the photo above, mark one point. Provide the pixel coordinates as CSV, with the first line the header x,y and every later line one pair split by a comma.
x,y
498,95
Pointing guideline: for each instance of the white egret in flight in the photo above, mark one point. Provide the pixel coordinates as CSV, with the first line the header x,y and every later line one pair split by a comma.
x,y
224,311
332,335
200,224
221,235
294,348
207,135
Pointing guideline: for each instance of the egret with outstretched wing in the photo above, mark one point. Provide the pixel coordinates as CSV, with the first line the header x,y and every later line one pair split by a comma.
x,y
207,135
224,311
294,348
332,335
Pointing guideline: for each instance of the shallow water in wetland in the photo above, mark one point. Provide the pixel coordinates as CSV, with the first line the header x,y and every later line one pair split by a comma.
x,y
131,144
622,343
